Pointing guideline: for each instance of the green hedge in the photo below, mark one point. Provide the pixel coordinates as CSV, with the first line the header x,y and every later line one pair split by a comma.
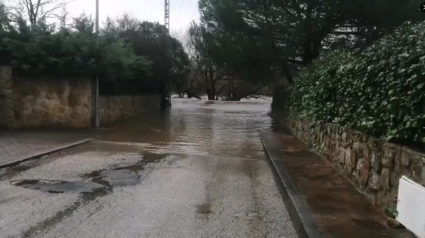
x,y
67,53
380,91
43,49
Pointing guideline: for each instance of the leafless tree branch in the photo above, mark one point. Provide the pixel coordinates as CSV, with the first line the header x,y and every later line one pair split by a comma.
x,y
35,10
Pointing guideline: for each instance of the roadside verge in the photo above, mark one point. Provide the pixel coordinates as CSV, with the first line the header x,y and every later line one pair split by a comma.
x,y
298,211
320,201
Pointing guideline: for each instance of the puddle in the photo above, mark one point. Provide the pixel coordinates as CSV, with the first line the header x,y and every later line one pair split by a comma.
x,y
56,186
124,175
100,180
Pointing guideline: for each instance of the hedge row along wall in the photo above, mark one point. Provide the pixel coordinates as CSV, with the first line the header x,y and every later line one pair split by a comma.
x,y
380,91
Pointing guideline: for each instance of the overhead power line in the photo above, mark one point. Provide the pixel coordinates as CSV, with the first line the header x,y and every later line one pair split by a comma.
x,y
181,6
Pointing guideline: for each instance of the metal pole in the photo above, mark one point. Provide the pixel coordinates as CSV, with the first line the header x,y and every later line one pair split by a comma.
x,y
167,14
166,95
97,77
97,16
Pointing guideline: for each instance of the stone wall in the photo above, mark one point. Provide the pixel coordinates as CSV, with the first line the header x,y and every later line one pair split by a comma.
x,y
118,108
44,102
374,166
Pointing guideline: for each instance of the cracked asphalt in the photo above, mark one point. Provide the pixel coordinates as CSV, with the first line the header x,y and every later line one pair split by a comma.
x,y
195,171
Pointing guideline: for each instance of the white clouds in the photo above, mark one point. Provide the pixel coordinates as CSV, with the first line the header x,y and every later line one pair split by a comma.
x,y
181,11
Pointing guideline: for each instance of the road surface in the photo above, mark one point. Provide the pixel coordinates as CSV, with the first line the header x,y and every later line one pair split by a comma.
x,y
195,171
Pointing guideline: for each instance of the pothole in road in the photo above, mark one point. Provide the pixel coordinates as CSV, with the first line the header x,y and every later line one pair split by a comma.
x,y
55,186
116,178
101,180
100,185
124,175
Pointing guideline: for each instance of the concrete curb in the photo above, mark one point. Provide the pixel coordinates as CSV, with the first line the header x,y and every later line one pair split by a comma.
x,y
300,214
40,153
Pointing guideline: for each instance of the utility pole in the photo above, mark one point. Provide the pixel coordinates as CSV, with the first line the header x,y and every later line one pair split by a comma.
x,y
167,15
97,76
167,95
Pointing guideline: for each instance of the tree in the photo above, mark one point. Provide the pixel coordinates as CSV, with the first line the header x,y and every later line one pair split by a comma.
x,y
209,71
151,39
63,17
298,31
192,84
180,69
36,10
42,50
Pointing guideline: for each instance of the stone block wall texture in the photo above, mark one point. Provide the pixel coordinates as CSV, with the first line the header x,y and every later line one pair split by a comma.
x,y
118,108
373,166
44,102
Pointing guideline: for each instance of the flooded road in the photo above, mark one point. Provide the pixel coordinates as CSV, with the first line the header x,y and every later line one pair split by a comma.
x,y
197,170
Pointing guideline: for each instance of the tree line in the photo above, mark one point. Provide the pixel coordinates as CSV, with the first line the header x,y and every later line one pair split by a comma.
x,y
237,49
355,63
240,46
124,49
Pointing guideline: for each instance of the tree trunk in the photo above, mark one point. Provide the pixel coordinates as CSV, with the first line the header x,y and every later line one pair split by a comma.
x,y
211,96
211,93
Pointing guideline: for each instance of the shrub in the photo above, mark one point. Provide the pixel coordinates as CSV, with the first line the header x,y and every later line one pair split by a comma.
x,y
68,53
380,91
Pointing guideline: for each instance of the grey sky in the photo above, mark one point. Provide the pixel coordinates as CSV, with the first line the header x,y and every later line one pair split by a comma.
x,y
181,11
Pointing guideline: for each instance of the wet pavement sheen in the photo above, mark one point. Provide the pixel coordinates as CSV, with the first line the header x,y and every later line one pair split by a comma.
x,y
213,128
197,170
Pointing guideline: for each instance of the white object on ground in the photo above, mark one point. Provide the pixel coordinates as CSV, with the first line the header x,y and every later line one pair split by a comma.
x,y
411,206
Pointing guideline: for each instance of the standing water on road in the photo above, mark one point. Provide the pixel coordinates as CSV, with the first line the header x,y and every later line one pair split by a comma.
x,y
199,126
197,170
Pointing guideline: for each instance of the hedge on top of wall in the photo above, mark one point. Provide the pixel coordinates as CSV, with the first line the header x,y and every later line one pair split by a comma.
x,y
380,91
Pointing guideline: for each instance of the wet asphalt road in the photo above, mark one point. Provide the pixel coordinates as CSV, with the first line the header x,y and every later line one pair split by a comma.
x,y
195,171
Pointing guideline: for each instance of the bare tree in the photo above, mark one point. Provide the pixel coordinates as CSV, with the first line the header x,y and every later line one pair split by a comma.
x,y
63,17
211,75
36,10
193,84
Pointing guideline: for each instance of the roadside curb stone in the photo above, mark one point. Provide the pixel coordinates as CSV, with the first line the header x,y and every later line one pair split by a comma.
x,y
36,154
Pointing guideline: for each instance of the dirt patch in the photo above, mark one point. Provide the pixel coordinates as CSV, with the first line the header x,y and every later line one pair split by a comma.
x,y
203,209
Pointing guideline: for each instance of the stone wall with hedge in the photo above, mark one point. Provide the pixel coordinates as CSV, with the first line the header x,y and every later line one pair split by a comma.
x,y
379,91
118,108
34,102
358,108
373,165
44,101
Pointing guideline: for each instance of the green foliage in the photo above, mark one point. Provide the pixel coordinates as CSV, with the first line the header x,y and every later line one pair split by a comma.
x,y
77,51
169,60
379,91
290,34
391,212
243,57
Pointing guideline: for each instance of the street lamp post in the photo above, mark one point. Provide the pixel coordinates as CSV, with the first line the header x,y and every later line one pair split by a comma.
x,y
97,76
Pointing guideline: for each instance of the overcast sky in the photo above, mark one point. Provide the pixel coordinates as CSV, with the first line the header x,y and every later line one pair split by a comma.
x,y
182,12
